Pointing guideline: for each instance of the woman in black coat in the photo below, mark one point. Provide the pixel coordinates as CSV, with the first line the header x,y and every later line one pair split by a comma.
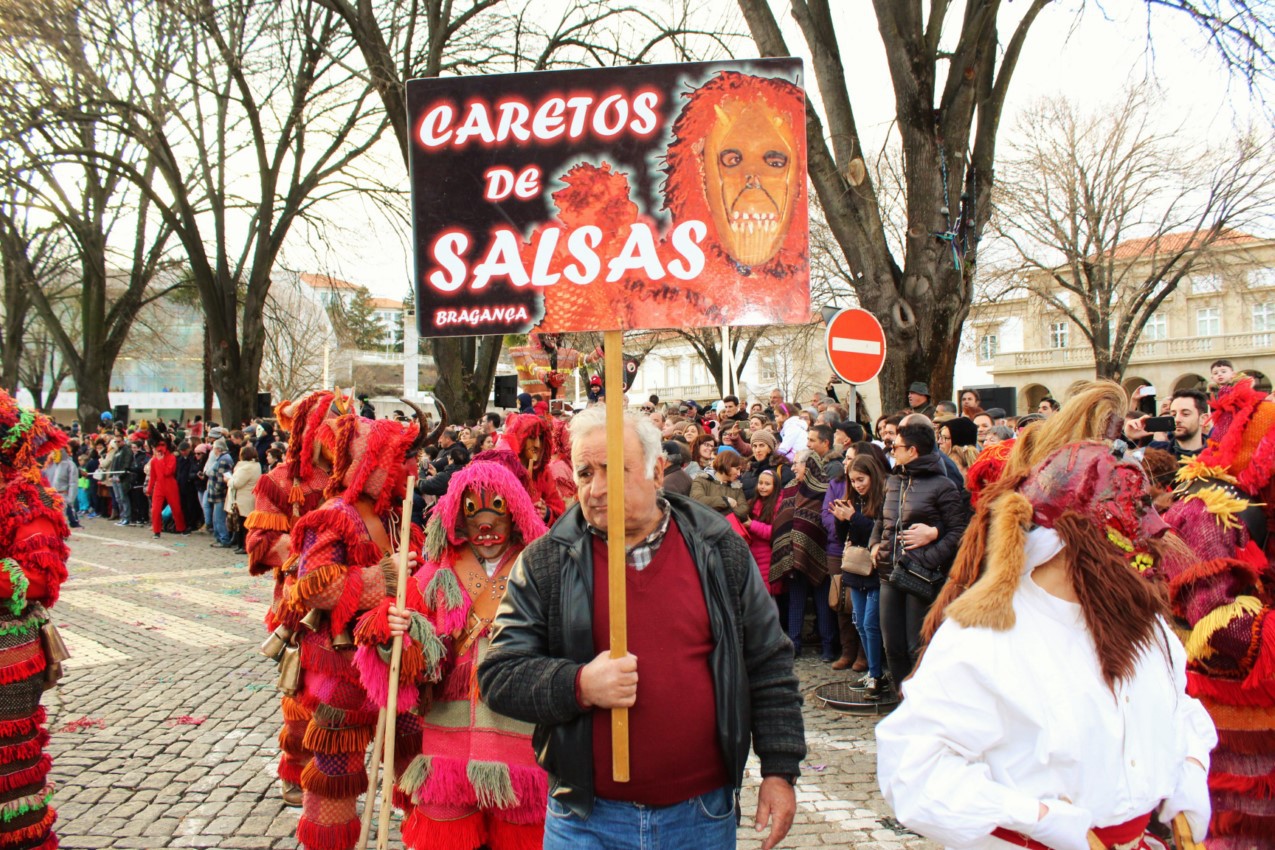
x,y
922,520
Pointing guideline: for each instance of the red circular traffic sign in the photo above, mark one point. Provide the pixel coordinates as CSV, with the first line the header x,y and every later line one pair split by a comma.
x,y
856,345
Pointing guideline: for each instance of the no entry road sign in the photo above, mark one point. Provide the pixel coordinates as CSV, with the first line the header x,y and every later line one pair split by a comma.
x,y
856,345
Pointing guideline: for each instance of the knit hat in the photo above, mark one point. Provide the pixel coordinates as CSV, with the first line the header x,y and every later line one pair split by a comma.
x,y
764,436
963,430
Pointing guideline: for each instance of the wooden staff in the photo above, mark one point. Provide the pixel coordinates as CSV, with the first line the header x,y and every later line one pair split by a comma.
x,y
1182,834
396,659
365,825
613,344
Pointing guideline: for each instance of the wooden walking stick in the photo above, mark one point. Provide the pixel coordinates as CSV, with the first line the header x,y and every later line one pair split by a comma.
x,y
396,659
613,347
373,774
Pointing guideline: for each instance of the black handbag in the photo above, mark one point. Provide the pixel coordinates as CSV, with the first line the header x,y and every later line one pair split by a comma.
x,y
922,582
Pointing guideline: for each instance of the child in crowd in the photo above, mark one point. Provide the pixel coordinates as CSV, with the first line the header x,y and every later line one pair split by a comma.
x,y
761,516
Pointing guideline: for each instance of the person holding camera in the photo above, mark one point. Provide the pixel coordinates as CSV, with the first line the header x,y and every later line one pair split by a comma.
x,y
914,542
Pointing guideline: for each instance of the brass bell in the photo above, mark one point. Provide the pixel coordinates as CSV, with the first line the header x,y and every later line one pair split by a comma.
x,y
313,620
275,643
343,640
290,671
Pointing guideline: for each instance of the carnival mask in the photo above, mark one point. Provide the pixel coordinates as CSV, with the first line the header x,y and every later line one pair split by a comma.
x,y
751,179
487,522
1087,479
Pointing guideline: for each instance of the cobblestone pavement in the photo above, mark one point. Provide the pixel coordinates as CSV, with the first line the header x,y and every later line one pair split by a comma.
x,y
164,727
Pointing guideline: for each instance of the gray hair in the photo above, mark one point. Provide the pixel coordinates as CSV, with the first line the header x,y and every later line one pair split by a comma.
x,y
1003,431
585,423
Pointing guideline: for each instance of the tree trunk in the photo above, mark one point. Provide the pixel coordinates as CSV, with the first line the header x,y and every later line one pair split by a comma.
x,y
93,388
466,368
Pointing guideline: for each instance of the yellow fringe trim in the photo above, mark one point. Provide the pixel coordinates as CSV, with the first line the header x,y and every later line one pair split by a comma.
x,y
1222,505
1197,646
1194,469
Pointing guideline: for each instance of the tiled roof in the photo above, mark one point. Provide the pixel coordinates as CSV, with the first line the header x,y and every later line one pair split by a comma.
x,y
1169,243
322,281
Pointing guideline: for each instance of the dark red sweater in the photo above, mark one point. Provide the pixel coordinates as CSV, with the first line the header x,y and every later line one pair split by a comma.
x,y
673,749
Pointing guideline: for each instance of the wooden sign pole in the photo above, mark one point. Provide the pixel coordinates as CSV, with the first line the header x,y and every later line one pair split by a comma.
x,y
613,347
396,661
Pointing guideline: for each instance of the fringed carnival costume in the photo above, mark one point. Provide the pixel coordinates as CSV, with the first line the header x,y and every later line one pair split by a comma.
x,y
344,566
33,553
1049,710
1223,596
290,491
474,781
531,439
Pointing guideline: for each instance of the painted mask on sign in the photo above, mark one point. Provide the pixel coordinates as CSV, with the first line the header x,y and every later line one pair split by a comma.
x,y
487,522
751,179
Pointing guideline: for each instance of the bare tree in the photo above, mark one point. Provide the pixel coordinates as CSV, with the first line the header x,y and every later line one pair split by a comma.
x,y
57,61
406,39
1109,215
951,72
249,117
297,332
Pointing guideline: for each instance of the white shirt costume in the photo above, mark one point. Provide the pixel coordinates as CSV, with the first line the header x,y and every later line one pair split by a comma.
x,y
995,722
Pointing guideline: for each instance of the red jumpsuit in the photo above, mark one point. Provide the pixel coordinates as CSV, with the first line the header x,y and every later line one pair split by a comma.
x,y
162,488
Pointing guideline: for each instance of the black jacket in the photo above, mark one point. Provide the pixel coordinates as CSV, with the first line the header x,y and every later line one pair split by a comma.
x,y
919,492
544,635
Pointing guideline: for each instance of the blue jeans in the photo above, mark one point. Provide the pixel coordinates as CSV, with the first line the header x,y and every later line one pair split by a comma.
x,y
867,619
207,505
123,506
799,588
708,822
220,531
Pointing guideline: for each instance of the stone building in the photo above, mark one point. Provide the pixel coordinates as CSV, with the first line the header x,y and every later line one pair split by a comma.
x,y
1225,308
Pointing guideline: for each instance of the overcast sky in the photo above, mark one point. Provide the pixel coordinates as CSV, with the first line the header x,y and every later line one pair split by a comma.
x,y
1085,55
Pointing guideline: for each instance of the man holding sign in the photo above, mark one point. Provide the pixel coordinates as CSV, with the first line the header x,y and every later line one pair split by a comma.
x,y
708,670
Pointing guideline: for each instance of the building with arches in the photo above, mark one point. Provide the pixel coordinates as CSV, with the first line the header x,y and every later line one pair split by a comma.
x,y
1225,308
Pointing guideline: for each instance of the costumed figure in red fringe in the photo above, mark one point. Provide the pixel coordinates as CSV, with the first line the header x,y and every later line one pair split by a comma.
x,y
346,564
531,439
161,483
33,555
285,494
474,781
1049,710
1224,595
560,466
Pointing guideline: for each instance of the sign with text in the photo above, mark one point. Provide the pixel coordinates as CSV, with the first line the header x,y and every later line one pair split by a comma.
x,y
658,196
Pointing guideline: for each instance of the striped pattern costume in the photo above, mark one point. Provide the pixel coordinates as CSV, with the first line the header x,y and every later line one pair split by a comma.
x,y
474,781
33,553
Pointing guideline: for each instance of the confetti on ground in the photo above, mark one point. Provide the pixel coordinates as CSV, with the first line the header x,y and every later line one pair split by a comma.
x,y
142,625
187,720
255,686
82,724
226,612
